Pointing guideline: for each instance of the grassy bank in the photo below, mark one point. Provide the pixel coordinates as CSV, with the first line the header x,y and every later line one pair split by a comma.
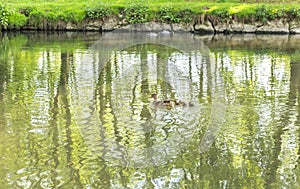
x,y
17,13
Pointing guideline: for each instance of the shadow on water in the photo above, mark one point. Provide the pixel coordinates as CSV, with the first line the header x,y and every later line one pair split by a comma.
x,y
72,116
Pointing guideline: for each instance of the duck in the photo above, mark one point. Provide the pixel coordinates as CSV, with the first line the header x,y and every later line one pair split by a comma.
x,y
167,103
191,104
180,103
170,103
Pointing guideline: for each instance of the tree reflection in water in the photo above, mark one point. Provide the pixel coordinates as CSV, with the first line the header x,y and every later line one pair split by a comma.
x,y
133,129
41,145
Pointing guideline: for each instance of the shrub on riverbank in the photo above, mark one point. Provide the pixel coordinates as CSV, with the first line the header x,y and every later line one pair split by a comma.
x,y
4,14
51,14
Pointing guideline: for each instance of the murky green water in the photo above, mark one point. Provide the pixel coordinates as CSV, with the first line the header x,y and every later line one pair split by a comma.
x,y
72,117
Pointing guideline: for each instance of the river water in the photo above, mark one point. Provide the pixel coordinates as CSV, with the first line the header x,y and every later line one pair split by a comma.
x,y
76,110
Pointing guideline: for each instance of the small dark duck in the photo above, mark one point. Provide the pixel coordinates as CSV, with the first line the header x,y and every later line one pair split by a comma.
x,y
169,103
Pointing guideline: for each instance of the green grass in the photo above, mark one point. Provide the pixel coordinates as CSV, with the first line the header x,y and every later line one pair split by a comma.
x,y
37,12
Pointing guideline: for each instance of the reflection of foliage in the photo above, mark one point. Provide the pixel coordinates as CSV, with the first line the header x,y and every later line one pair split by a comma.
x,y
57,41
163,53
10,45
37,110
256,111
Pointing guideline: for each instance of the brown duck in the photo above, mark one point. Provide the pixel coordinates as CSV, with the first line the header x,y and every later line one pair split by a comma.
x,y
169,103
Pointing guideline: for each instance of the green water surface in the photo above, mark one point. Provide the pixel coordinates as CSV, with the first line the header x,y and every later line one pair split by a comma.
x,y
241,132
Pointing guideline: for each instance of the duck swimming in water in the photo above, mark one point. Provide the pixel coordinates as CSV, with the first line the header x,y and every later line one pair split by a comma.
x,y
169,103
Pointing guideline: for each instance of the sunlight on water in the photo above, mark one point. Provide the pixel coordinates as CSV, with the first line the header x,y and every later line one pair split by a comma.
x,y
69,123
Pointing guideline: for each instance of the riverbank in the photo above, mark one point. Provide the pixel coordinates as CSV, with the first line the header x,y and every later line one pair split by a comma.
x,y
191,16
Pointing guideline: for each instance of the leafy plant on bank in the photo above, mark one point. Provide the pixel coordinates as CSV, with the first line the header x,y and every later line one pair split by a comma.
x,y
261,12
137,11
16,19
97,12
27,10
75,16
36,17
264,13
293,12
220,12
186,16
168,15
136,14
4,14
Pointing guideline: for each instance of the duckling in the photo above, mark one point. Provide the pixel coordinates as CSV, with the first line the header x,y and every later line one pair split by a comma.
x,y
191,104
168,103
180,103
155,102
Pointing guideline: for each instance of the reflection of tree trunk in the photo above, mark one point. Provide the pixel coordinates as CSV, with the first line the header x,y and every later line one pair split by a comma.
x,y
285,120
108,99
104,91
3,71
3,66
201,75
274,161
295,89
295,80
62,96
209,77
66,72
3,74
102,98
145,113
101,95
55,118
161,76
